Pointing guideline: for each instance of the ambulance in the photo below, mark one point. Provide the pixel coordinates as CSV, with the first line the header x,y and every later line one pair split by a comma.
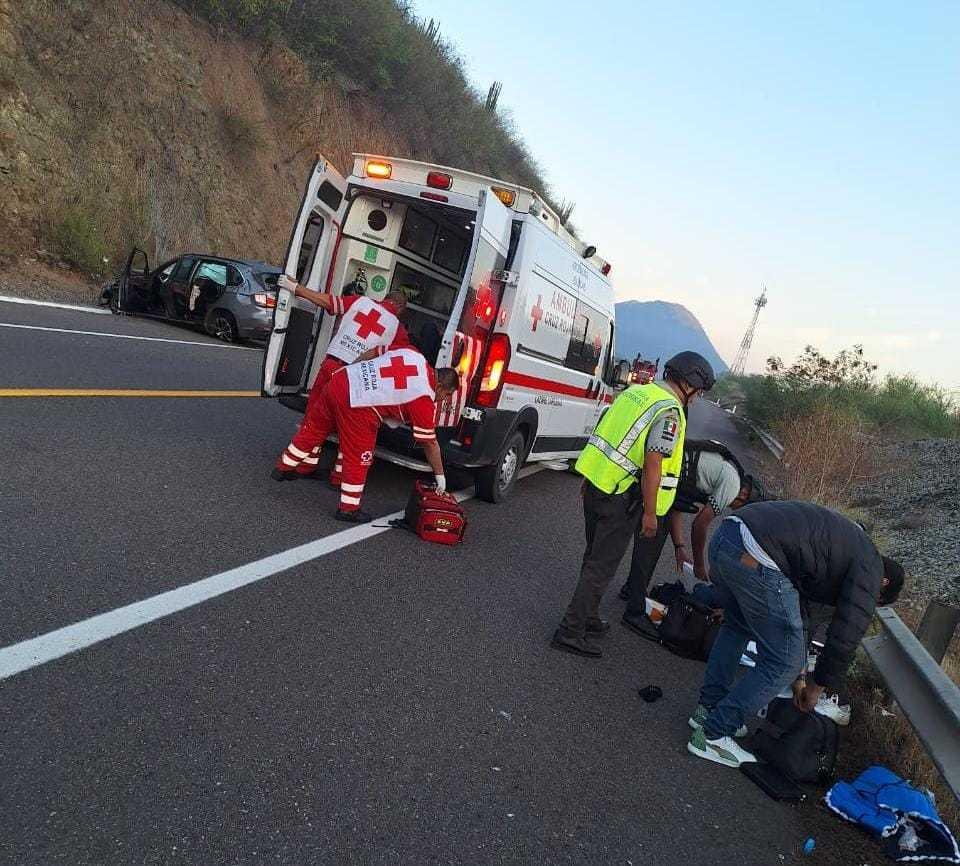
x,y
497,288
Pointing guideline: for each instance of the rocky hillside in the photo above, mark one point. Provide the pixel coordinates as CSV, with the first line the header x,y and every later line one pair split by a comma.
x,y
132,121
914,509
658,329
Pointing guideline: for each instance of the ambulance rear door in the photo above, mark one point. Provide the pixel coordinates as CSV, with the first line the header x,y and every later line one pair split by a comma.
x,y
474,314
313,243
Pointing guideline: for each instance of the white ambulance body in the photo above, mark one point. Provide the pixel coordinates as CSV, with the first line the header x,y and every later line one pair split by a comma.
x,y
497,289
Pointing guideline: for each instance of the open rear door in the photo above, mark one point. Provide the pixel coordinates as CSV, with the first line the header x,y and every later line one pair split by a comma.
x,y
316,233
474,314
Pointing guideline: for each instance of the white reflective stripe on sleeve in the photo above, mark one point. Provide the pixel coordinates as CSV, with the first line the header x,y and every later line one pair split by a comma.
x,y
417,429
337,305
311,461
352,488
296,452
289,460
349,500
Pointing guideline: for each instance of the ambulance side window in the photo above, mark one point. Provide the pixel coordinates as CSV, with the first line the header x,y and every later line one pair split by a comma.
x,y
308,247
586,340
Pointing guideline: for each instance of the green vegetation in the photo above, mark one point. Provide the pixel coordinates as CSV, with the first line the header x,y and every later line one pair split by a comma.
x,y
241,133
76,237
897,406
399,61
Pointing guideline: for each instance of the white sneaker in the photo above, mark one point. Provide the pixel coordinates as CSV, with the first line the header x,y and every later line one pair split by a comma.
x,y
724,750
833,709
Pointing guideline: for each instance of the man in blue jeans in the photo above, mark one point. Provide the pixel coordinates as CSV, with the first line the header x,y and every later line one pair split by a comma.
x,y
762,562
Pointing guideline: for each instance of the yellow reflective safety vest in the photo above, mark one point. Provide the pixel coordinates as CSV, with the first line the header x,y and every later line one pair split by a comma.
x,y
613,456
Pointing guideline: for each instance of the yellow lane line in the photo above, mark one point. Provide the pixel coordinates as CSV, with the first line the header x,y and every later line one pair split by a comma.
x,y
117,392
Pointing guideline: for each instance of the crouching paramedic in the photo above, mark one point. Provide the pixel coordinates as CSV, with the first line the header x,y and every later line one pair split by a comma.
x,y
638,441
711,480
399,387
763,562
368,328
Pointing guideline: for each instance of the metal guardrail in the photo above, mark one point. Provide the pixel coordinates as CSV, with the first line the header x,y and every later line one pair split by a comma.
x,y
928,697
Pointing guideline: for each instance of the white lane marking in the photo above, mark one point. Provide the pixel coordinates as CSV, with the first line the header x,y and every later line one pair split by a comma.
x,y
44,648
79,308
129,337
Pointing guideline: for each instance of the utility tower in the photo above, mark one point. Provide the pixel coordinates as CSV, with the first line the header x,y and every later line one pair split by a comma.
x,y
741,360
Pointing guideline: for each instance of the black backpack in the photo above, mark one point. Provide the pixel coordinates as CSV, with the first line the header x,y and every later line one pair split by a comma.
x,y
688,497
689,628
802,746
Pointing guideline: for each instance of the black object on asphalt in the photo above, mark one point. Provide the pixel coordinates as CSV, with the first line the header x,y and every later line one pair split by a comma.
x,y
651,693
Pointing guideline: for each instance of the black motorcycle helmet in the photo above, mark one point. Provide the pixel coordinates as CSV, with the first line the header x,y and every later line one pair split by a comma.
x,y
693,368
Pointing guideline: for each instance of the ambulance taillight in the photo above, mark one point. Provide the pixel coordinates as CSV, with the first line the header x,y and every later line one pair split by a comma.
x,y
494,369
379,169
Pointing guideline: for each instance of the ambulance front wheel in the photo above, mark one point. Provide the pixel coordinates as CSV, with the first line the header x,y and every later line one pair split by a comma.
x,y
495,482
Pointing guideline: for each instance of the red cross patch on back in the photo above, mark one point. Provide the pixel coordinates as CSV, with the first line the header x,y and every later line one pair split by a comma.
x,y
396,378
365,325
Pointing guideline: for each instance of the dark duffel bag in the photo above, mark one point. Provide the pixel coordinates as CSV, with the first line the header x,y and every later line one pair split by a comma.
x,y
803,746
689,628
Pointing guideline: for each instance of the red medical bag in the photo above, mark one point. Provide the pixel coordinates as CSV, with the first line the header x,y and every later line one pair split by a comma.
x,y
436,517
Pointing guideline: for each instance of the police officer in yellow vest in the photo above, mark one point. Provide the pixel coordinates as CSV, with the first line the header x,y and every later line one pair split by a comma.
x,y
631,466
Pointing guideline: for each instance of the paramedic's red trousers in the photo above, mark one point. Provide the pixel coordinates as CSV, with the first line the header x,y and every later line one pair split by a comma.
x,y
358,436
329,366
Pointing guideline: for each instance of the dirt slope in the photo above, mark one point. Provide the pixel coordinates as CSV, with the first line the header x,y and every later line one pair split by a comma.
x,y
130,121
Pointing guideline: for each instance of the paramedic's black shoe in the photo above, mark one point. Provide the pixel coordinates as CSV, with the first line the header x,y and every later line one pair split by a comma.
x,y
598,627
280,475
624,594
577,645
642,625
357,516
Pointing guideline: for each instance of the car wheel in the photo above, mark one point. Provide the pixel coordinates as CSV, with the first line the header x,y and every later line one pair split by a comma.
x,y
495,482
222,324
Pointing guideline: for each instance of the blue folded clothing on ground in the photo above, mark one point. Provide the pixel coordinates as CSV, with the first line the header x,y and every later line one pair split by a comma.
x,y
904,818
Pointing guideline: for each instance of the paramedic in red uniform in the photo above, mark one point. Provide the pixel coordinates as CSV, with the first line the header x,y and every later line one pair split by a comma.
x,y
399,387
368,328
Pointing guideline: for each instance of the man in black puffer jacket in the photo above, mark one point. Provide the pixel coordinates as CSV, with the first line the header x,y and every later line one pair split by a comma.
x,y
762,563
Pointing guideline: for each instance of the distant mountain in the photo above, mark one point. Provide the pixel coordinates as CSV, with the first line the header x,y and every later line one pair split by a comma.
x,y
661,329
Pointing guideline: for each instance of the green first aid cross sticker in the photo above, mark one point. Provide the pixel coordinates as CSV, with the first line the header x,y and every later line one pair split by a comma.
x,y
378,283
370,254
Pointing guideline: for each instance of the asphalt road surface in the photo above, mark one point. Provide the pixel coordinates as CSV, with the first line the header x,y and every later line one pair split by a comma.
x,y
380,702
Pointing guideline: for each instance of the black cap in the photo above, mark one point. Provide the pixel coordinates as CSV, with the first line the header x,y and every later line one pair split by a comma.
x,y
693,368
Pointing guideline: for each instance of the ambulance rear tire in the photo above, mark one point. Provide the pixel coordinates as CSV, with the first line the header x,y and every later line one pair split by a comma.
x,y
495,482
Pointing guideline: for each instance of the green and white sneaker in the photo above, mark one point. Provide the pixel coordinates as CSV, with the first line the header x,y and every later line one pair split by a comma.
x,y
700,716
722,751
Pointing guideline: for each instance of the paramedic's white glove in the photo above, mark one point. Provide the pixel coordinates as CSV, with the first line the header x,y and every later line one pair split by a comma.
x,y
286,283
441,483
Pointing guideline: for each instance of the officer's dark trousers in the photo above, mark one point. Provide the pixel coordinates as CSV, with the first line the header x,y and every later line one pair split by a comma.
x,y
646,555
609,529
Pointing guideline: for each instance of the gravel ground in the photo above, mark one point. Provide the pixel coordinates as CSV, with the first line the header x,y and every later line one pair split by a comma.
x,y
914,509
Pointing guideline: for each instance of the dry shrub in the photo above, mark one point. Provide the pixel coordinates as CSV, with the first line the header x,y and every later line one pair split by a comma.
x,y
877,738
827,452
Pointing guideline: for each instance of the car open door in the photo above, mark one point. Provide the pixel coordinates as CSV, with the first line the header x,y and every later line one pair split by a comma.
x,y
313,243
473,316
132,286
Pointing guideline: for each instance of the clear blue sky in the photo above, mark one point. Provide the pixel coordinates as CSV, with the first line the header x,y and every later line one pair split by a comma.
x,y
711,148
